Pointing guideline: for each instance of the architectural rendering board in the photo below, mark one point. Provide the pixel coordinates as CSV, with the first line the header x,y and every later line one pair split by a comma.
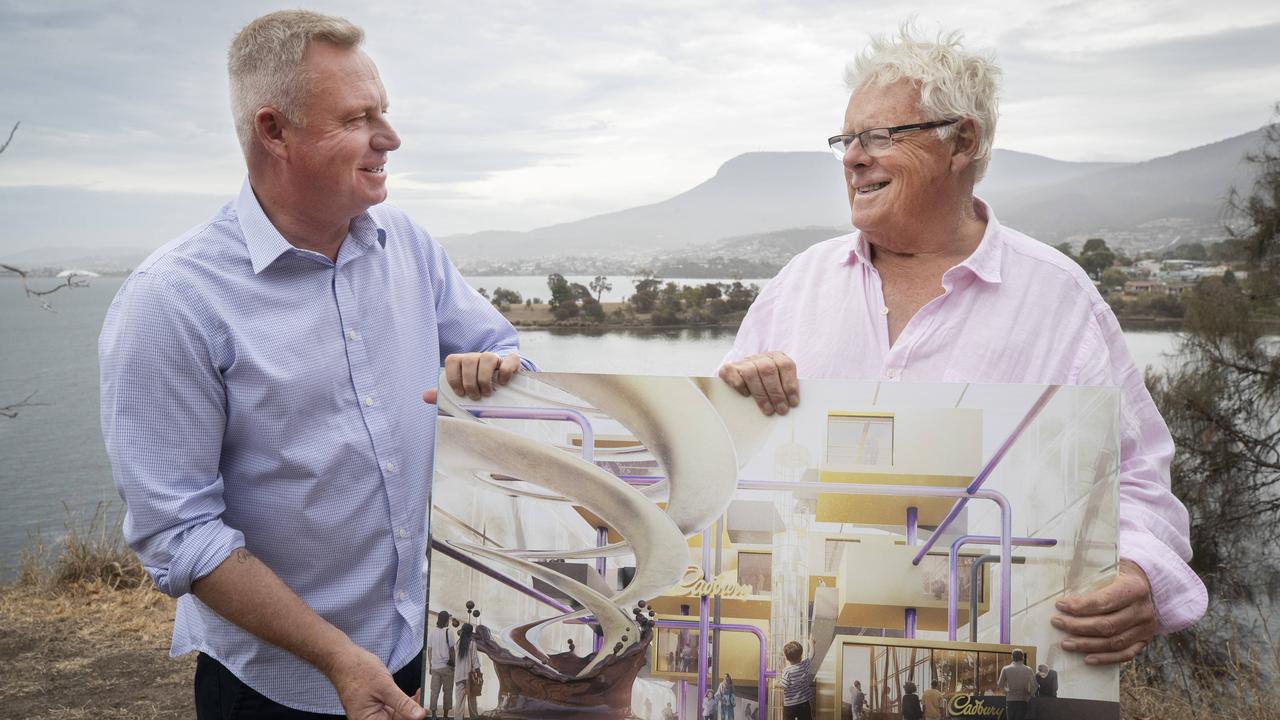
x,y
628,542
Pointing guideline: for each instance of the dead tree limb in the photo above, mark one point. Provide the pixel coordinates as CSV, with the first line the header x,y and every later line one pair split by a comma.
x,y
11,132
11,411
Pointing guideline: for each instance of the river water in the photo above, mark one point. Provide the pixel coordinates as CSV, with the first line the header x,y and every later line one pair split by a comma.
x,y
52,455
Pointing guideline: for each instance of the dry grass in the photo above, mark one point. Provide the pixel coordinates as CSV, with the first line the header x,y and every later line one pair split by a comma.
x,y
1245,672
84,633
91,552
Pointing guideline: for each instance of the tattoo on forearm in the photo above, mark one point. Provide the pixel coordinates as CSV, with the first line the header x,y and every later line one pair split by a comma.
x,y
242,555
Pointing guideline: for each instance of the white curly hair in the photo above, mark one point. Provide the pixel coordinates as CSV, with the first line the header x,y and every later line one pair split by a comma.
x,y
953,82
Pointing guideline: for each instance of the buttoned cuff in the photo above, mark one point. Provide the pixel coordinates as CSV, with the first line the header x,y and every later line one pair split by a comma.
x,y
1178,593
525,362
196,552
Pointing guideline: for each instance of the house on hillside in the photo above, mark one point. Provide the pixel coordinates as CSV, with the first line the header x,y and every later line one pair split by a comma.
x,y
1144,287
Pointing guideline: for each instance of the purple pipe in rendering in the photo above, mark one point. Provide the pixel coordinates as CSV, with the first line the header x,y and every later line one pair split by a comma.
x,y
602,539
987,469
1006,517
762,694
953,576
704,622
523,413
909,615
444,549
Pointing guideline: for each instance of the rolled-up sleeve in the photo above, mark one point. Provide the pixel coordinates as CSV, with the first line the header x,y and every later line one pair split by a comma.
x,y
467,321
1154,527
163,412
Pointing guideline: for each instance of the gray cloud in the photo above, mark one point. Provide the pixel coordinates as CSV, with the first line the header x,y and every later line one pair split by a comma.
x,y
516,114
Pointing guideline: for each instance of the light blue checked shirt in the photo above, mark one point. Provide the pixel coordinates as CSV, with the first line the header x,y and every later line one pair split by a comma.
x,y
255,394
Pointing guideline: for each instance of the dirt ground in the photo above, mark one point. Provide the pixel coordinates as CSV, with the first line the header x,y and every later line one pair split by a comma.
x,y
89,652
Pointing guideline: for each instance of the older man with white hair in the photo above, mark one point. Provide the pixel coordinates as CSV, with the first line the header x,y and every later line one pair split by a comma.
x,y
262,381
931,287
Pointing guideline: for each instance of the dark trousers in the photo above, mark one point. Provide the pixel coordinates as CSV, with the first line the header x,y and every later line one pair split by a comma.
x,y
803,711
1015,710
221,696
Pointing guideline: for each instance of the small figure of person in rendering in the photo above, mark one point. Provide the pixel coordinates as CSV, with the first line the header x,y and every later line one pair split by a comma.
x,y
796,684
727,698
466,673
440,653
1019,684
709,705
935,703
858,700
1046,681
911,709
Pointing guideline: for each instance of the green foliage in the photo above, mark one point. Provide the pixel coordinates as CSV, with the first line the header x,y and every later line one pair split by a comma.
x,y
1093,245
1094,263
1114,278
600,285
1222,406
1187,251
646,295
563,304
503,298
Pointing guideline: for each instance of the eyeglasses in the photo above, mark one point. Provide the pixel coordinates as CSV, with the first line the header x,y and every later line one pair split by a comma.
x,y
877,141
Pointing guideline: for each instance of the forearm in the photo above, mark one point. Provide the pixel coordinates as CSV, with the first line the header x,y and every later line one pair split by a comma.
x,y
248,593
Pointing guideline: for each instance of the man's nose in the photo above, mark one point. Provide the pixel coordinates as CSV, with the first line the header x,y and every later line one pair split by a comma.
x,y
856,156
386,139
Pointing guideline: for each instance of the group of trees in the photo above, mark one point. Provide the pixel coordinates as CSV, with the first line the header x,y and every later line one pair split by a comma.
x,y
571,300
654,301
706,304
1222,405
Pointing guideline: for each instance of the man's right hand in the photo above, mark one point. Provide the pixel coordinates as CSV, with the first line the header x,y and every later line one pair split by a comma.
x,y
770,378
367,690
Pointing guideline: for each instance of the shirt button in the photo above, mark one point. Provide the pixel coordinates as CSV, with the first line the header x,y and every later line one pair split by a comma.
x,y
884,311
891,373
400,596
402,533
352,335
390,468
368,401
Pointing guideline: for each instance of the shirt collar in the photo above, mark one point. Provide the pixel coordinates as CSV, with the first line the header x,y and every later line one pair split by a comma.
x,y
984,262
266,244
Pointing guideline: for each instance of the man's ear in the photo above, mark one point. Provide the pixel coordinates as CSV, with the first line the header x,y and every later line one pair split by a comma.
x,y
269,127
965,144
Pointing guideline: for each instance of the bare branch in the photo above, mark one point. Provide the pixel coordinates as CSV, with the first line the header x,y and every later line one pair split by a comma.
x,y
11,132
11,411
73,279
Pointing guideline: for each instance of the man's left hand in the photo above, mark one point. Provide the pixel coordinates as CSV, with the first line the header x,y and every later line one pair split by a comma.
x,y
474,375
1113,624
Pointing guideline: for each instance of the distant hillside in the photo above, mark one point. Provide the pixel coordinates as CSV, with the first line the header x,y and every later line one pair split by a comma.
x,y
762,193
751,193
1190,186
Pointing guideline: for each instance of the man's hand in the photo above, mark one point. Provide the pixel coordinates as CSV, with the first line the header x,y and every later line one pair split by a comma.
x,y
770,378
367,690
473,374
1113,624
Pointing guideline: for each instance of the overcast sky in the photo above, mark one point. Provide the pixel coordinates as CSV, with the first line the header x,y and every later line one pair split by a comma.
x,y
515,115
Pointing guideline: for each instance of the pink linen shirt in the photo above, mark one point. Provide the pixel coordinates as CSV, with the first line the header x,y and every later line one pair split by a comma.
x,y
1015,311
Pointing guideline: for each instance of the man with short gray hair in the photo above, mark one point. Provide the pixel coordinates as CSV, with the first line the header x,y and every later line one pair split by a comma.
x,y
262,381
1019,684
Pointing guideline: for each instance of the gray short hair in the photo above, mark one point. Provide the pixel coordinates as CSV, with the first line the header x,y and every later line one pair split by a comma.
x,y
954,83
264,64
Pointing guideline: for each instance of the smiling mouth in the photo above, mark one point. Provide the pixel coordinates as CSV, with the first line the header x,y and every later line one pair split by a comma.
x,y
873,187
374,170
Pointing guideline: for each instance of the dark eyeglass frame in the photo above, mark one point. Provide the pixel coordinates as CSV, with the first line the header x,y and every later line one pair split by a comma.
x,y
840,144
